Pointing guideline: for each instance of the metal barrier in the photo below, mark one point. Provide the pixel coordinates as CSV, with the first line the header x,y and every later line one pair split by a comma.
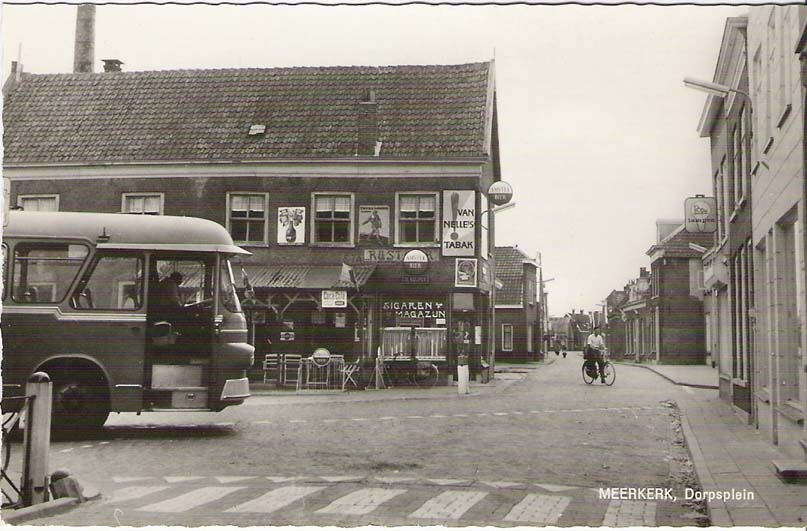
x,y
321,374
34,418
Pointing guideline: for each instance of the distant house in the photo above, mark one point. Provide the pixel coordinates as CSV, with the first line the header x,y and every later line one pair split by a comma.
x,y
517,310
614,327
579,329
677,293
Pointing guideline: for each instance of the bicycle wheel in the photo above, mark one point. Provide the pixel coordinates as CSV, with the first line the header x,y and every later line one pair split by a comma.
x,y
610,373
425,376
588,378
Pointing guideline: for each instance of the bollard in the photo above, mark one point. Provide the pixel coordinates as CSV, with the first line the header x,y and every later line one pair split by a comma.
x,y
36,439
462,374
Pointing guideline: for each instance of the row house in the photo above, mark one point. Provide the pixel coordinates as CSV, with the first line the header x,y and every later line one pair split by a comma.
x,y
635,319
614,328
518,313
676,294
756,267
359,191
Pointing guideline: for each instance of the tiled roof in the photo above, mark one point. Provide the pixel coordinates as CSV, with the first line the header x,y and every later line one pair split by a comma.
x,y
677,244
510,271
205,115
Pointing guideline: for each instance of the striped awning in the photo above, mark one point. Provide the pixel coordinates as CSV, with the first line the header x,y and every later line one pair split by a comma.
x,y
288,276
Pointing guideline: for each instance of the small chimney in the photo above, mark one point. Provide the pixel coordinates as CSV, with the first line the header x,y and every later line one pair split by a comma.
x,y
368,144
84,52
112,65
13,79
642,272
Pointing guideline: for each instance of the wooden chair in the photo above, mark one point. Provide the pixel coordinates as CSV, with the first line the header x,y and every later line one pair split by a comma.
x,y
271,365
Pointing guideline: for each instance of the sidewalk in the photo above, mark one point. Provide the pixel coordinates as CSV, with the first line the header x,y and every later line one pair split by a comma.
x,y
506,374
733,458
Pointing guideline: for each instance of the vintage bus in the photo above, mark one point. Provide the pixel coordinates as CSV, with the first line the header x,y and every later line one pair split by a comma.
x,y
123,312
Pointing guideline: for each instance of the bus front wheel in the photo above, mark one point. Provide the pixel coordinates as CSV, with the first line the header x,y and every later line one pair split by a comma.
x,y
79,402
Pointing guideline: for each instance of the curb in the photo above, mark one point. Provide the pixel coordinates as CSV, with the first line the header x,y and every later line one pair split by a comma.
x,y
40,510
716,509
684,384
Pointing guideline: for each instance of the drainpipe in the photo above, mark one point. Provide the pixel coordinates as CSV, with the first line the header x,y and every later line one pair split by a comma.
x,y
801,49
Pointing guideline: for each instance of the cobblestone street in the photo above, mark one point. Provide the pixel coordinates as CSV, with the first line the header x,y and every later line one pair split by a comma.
x,y
535,449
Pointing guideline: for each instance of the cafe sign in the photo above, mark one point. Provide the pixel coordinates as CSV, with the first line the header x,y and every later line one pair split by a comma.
x,y
500,193
334,299
700,214
416,262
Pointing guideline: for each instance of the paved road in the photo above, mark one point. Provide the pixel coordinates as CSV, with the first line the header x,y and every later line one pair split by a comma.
x,y
534,452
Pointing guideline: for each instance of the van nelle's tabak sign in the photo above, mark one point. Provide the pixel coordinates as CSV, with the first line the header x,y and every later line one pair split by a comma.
x,y
459,223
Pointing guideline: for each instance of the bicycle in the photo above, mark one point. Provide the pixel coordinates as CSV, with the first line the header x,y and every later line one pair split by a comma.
x,y
412,372
590,372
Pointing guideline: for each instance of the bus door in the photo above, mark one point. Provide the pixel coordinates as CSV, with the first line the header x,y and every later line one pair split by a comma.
x,y
180,320
106,321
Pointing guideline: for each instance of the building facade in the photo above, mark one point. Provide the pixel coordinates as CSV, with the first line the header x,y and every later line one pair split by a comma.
x,y
359,191
755,271
676,295
518,313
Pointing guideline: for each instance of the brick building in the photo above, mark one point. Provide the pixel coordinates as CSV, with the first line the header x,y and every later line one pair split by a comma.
x,y
518,314
360,191
676,298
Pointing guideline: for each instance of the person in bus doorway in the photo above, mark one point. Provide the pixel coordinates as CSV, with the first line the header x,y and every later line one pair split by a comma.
x,y
166,300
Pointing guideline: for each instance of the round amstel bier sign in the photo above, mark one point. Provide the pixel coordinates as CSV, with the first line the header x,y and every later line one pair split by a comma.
x,y
500,193
416,262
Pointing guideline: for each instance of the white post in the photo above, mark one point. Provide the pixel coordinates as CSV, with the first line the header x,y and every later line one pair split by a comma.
x,y
37,440
462,374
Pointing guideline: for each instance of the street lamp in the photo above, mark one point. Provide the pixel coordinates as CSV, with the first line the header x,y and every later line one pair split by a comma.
x,y
715,89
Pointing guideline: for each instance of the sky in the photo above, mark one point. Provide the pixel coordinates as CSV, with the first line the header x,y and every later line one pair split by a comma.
x,y
597,132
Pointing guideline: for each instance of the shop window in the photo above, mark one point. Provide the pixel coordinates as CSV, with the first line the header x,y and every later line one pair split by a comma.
x,y
417,218
507,337
333,219
38,203
149,204
247,217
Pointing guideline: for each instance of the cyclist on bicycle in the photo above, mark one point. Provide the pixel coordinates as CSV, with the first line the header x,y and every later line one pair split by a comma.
x,y
595,344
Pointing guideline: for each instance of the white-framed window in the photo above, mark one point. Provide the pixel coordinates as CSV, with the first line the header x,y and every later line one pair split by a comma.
x,y
247,217
416,218
39,202
507,337
759,137
745,148
333,219
143,203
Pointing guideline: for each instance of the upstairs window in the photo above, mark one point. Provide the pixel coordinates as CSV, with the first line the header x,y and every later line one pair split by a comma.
x,y
417,218
38,203
150,204
333,219
247,217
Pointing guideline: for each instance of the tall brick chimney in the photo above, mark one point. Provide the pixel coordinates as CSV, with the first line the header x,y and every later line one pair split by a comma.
x,y
84,53
368,126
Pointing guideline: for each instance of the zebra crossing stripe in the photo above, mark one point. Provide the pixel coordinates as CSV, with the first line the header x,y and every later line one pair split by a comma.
x,y
132,493
556,488
233,479
539,509
449,505
274,500
190,500
362,501
181,479
128,479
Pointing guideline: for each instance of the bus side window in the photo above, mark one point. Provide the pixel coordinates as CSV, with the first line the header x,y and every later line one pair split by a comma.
x,y
43,272
113,283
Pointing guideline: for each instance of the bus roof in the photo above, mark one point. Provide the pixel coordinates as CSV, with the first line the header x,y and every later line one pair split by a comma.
x,y
125,231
